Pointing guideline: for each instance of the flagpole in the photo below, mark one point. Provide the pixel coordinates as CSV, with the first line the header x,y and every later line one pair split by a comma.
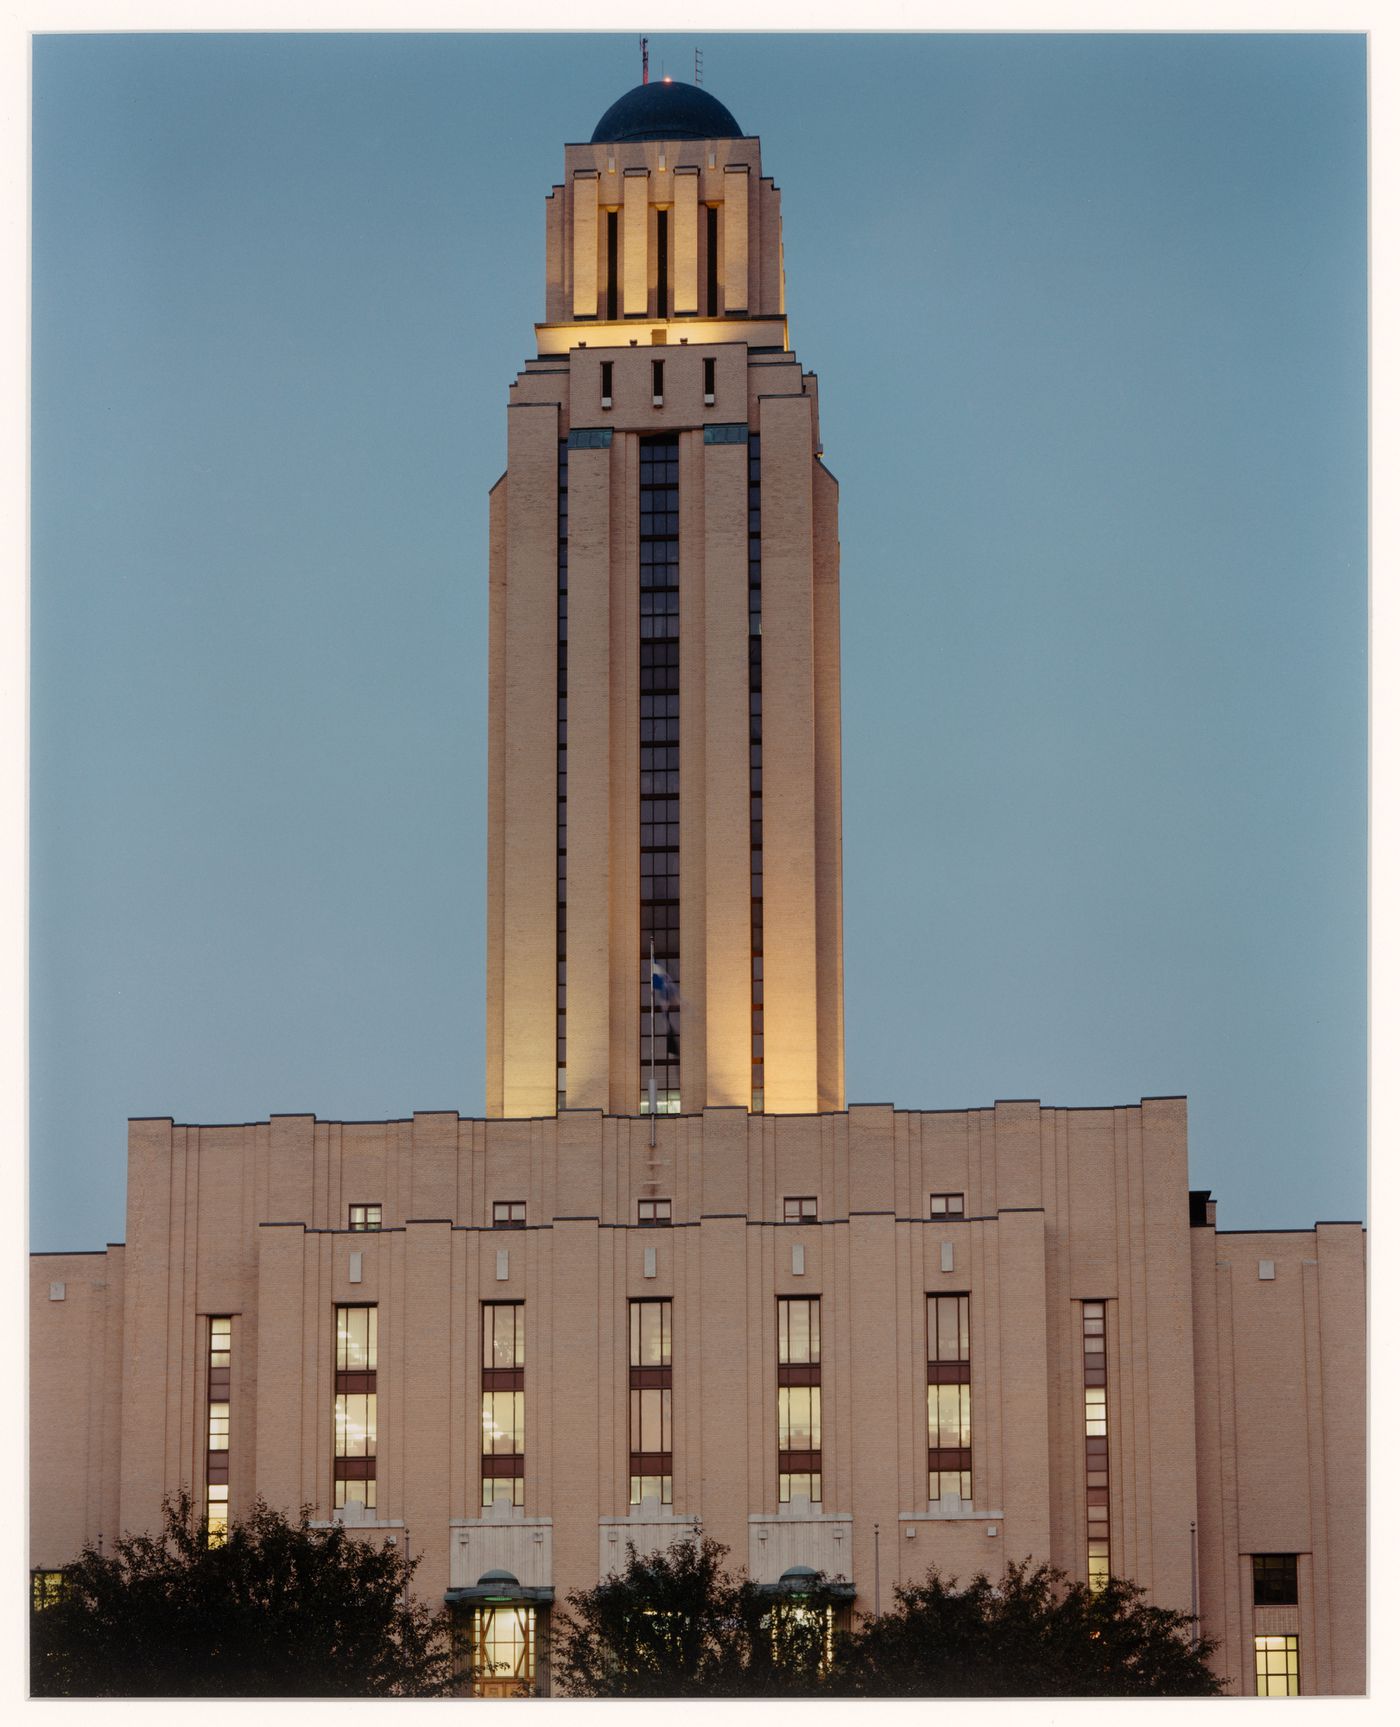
x,y
651,1063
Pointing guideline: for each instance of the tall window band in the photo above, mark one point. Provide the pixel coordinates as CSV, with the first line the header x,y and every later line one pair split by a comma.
x,y
216,1453
799,1398
561,1052
949,1399
503,1402
356,1406
1099,1555
659,652
755,768
649,1393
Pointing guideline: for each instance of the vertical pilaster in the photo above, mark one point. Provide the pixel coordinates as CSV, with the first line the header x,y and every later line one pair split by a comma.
x,y
789,793
635,182
590,779
736,237
685,283
585,190
528,865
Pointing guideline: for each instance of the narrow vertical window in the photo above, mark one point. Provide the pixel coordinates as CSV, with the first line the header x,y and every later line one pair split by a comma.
x,y
711,261
356,1405
799,1398
649,1391
658,382
755,772
502,1402
561,912
612,263
1096,1442
216,1449
709,383
663,285
949,1399
1276,1667
660,778
606,368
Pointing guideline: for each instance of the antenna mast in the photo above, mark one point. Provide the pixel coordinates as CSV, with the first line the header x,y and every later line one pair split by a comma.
x,y
699,67
642,40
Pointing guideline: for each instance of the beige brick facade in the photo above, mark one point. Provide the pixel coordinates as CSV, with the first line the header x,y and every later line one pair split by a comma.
x,y
1214,1380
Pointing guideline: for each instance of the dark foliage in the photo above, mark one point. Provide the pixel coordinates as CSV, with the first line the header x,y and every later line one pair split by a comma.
x,y
676,1624
1032,1633
278,1609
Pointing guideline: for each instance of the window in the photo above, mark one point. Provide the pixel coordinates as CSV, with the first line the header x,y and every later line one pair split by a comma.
x,y
653,1211
217,1423
755,771
711,261
1275,1579
799,1398
660,1018
658,382
1096,1441
949,1398
503,1651
508,1214
46,1587
366,1216
800,1210
945,1205
663,286
606,368
612,264
649,1392
709,381
356,1406
502,1402
1276,1667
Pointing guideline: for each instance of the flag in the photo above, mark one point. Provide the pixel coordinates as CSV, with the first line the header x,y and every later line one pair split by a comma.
x,y
663,986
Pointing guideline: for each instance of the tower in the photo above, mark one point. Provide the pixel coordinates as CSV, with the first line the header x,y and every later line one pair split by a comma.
x,y
664,651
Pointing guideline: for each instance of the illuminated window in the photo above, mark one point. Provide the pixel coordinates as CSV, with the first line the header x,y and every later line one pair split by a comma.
x,y
366,1216
46,1587
653,1211
508,1214
945,1205
1275,1579
1096,1442
802,1210
356,1406
502,1402
799,1398
949,1398
1276,1667
503,1651
649,1391
217,1397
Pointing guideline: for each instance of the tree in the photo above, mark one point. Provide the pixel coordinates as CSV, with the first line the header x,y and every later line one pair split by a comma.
x,y
274,1609
1031,1634
676,1624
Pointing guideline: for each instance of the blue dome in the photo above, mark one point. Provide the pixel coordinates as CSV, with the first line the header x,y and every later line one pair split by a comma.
x,y
665,110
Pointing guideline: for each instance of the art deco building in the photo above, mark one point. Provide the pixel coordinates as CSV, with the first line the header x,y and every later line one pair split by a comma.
x,y
861,1339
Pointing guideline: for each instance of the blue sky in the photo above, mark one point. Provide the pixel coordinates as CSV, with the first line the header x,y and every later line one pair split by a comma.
x,y
1089,315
